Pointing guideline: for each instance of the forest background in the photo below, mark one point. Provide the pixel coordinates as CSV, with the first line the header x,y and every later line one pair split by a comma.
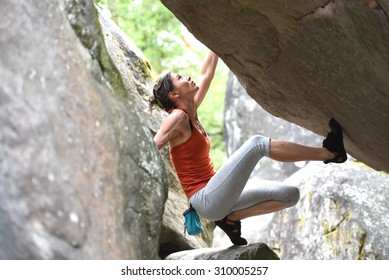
x,y
168,45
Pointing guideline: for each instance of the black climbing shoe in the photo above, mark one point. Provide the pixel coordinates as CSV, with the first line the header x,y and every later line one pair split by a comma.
x,y
232,229
334,142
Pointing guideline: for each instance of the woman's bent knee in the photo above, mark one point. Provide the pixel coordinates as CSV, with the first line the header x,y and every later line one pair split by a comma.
x,y
262,142
293,196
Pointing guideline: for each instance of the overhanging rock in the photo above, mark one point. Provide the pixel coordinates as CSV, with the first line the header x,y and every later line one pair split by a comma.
x,y
306,61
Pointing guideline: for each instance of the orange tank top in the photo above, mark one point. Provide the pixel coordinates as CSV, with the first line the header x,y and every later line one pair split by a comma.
x,y
192,162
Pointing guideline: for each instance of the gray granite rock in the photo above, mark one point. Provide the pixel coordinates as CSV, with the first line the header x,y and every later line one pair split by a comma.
x,y
258,251
342,214
306,61
80,177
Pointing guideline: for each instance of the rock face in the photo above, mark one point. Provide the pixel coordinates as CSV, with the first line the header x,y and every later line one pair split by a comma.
x,y
306,61
342,214
258,251
80,176
342,210
243,117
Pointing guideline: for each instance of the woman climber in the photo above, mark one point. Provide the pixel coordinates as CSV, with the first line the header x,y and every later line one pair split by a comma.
x,y
223,196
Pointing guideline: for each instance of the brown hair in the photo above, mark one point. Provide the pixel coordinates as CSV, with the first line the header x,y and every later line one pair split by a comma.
x,y
161,90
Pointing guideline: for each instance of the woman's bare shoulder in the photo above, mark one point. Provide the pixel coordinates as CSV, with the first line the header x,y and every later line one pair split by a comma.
x,y
178,115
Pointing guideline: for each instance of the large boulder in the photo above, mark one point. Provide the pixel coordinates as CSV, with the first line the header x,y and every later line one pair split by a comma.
x,y
342,214
306,61
80,177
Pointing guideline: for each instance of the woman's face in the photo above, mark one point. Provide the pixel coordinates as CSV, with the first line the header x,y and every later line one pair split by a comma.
x,y
183,85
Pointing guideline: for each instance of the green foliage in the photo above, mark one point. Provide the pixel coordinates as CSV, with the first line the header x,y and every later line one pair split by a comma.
x,y
154,29
167,44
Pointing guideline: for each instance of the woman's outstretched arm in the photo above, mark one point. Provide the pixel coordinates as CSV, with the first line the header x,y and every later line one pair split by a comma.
x,y
207,72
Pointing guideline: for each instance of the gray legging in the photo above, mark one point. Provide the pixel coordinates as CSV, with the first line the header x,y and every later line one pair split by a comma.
x,y
227,192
